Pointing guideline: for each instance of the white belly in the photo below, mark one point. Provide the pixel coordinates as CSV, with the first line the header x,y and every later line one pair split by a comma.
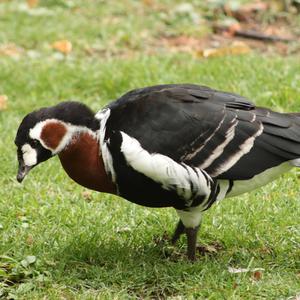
x,y
244,186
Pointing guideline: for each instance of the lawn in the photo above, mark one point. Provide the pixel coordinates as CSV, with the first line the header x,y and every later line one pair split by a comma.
x,y
60,241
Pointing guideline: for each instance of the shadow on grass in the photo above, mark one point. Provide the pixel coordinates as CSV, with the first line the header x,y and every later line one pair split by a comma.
x,y
148,268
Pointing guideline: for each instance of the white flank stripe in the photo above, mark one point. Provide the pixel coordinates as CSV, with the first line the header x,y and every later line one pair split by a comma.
x,y
244,186
103,116
244,149
162,169
220,148
196,151
224,186
253,118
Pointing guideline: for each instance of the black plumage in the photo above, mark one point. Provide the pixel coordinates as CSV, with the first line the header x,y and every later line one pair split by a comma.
x,y
175,120
178,145
72,112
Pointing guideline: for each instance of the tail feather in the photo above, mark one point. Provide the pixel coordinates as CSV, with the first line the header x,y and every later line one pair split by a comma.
x,y
283,133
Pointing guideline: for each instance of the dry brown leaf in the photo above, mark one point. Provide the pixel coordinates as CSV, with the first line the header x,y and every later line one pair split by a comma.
x,y
32,3
87,195
213,248
148,2
183,43
3,102
257,275
236,48
235,285
10,50
232,29
63,46
29,240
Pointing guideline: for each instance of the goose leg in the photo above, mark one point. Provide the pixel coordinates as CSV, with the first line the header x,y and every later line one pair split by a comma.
x,y
180,229
191,234
190,221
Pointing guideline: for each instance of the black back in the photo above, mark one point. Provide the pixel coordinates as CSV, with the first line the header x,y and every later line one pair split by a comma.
x,y
175,120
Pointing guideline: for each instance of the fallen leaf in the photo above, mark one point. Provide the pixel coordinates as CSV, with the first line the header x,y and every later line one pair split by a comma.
x,y
10,50
183,43
29,240
236,48
29,260
257,275
3,102
209,249
148,2
87,195
32,3
63,46
232,29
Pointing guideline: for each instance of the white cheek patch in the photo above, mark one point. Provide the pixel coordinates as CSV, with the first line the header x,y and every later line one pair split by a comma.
x,y
29,155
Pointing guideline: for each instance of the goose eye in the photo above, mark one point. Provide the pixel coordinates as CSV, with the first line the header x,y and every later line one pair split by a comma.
x,y
35,143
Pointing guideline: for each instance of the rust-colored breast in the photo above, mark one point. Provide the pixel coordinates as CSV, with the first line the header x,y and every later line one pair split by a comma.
x,y
83,163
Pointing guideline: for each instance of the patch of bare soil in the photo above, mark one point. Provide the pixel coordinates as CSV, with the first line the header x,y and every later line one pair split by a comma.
x,y
255,26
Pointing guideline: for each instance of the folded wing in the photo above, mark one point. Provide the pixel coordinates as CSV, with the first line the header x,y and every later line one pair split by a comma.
x,y
222,133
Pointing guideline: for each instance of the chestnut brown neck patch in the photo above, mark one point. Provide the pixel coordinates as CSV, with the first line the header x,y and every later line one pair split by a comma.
x,y
83,162
52,134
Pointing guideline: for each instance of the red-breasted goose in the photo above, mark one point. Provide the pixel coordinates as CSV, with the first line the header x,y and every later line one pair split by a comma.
x,y
183,146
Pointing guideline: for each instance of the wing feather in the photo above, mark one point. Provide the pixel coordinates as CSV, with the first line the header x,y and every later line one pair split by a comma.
x,y
224,133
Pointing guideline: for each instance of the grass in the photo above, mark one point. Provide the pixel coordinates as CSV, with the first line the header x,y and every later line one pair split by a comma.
x,y
91,245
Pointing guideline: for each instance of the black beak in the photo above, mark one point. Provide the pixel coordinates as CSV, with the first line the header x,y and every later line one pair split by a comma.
x,y
23,171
